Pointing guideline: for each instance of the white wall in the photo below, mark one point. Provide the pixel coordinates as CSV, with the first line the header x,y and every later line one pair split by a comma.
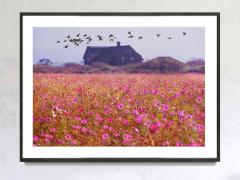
x,y
11,168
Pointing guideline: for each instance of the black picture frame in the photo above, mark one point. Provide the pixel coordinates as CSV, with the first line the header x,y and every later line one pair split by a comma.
x,y
142,160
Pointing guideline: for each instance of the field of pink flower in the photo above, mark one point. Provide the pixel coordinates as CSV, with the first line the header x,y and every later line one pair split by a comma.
x,y
119,110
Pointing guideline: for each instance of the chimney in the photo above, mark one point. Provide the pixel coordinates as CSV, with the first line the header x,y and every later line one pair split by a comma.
x,y
118,43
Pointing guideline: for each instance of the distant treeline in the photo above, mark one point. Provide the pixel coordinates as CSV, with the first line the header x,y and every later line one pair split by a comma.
x,y
157,65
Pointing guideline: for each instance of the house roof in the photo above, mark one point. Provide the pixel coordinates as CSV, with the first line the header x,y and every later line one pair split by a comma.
x,y
109,51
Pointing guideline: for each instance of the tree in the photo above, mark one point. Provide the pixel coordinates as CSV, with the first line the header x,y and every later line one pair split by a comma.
x,y
44,61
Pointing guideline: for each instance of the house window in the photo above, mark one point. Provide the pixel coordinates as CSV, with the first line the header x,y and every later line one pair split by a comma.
x,y
132,58
122,58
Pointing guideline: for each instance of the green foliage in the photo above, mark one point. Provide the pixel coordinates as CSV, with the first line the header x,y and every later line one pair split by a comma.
x,y
157,65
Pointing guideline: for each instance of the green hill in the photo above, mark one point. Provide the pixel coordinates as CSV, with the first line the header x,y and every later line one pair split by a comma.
x,y
159,64
197,66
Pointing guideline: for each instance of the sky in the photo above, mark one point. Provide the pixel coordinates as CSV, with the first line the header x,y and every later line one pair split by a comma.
x,y
180,47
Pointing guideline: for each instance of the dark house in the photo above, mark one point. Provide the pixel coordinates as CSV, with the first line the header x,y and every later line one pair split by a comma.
x,y
112,55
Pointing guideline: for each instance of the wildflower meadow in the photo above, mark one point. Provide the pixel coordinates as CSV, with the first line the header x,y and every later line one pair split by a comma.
x,y
119,109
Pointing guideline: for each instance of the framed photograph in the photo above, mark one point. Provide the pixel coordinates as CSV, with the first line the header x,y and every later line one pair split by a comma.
x,y
120,87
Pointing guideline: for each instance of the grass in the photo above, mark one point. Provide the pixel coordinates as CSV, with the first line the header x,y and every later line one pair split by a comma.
x,y
119,110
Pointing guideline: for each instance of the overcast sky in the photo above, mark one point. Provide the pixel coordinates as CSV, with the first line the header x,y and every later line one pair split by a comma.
x,y
180,47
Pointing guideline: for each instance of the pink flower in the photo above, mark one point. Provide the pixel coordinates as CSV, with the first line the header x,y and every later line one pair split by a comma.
x,y
189,116
76,127
181,113
74,100
98,118
170,123
141,109
127,138
53,130
68,137
147,123
84,130
154,91
190,124
127,111
136,130
179,143
80,109
159,124
105,127
74,142
112,130
110,120
125,122
165,107
48,137
66,113
107,110
77,118
178,94
156,104
120,105
35,139
153,128
105,136
116,135
166,143
135,112
84,121
139,119
199,99
172,113
200,128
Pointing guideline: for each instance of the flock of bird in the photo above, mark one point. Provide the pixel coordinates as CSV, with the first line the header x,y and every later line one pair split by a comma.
x,y
87,39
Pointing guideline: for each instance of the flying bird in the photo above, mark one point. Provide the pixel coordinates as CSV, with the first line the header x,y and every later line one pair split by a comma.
x,y
89,38
184,33
80,40
58,42
100,38
169,37
66,46
65,40
140,37
131,36
85,35
158,35
129,32
68,36
78,35
110,35
111,40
